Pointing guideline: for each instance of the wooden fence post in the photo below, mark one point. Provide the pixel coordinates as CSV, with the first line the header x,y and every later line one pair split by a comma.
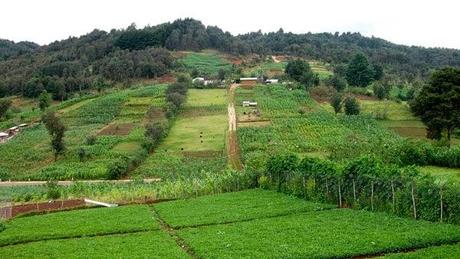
x,y
354,190
372,195
413,200
442,205
394,196
340,195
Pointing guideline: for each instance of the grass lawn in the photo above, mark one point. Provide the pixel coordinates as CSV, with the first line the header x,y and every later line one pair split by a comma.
x,y
232,207
444,252
154,244
393,110
86,222
319,234
442,172
185,134
206,97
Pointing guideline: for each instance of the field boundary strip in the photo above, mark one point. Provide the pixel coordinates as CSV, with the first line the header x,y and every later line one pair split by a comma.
x,y
114,233
164,226
279,215
407,250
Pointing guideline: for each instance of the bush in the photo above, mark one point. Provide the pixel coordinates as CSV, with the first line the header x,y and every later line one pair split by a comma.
x,y
2,226
53,192
91,140
351,106
118,169
336,103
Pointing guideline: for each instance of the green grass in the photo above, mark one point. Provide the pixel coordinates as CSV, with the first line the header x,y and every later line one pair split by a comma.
x,y
207,62
206,97
444,252
87,222
390,109
320,234
442,173
232,207
185,134
155,244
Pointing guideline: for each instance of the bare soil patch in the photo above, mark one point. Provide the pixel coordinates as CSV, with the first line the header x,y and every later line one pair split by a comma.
x,y
168,78
121,129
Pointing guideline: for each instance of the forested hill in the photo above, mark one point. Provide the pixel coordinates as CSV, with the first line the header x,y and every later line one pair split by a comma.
x,y
81,62
10,49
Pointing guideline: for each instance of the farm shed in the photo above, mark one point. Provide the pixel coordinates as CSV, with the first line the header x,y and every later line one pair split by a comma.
x,y
248,81
198,80
271,81
3,137
249,104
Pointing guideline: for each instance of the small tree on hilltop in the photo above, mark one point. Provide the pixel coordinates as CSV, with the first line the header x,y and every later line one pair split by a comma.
x,y
44,100
438,103
380,91
56,130
336,102
4,106
351,106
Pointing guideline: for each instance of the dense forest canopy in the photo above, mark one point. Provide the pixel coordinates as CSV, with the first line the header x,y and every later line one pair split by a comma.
x,y
75,64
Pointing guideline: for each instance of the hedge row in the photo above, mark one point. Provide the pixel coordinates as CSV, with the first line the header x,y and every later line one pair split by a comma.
x,y
366,183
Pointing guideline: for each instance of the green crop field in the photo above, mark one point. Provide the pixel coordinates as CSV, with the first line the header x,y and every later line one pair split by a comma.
x,y
206,62
251,224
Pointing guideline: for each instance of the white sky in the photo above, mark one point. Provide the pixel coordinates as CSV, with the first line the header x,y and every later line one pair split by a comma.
x,y
430,23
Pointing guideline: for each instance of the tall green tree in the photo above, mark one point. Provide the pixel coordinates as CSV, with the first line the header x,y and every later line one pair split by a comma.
x,y
351,106
300,71
4,106
359,72
280,166
44,100
438,103
336,102
56,130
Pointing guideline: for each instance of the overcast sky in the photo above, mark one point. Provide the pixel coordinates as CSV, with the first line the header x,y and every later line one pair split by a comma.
x,y
430,23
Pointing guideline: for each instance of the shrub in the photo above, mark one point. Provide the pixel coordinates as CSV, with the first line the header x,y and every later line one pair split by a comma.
x,y
53,192
336,103
351,106
2,226
118,169
91,140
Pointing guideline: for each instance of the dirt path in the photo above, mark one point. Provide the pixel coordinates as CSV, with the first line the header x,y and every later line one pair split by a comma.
x,y
275,59
233,148
67,183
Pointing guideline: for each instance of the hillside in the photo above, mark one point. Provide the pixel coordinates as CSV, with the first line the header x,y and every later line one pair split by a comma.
x,y
79,63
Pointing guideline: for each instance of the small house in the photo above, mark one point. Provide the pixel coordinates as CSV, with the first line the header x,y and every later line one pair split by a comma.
x,y
23,125
248,81
198,80
13,130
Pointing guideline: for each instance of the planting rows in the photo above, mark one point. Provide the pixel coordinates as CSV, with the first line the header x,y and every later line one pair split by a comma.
x,y
196,142
115,121
252,224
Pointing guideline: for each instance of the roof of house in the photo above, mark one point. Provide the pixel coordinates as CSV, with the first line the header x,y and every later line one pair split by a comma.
x,y
248,78
3,134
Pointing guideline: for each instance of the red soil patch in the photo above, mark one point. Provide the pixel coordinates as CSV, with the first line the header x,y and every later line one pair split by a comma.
x,y
122,129
15,210
168,78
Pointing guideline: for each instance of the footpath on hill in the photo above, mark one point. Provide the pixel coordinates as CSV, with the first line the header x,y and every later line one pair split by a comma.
x,y
233,149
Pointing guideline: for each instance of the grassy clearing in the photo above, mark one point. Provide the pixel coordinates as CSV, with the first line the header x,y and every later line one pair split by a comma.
x,y
206,97
232,207
186,132
389,109
155,244
444,251
442,173
78,223
330,233
206,62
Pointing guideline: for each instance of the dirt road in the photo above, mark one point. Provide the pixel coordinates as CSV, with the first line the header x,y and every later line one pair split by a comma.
x,y
233,149
275,59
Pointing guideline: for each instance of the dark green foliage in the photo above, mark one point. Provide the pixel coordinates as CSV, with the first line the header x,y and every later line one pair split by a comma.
x,y
278,167
44,100
4,106
2,226
380,91
336,102
135,39
91,140
81,152
359,71
351,106
438,103
368,183
154,133
56,130
118,169
378,72
53,191
338,82
300,71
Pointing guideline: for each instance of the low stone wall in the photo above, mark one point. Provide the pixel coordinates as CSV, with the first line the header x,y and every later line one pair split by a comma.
x,y
14,210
